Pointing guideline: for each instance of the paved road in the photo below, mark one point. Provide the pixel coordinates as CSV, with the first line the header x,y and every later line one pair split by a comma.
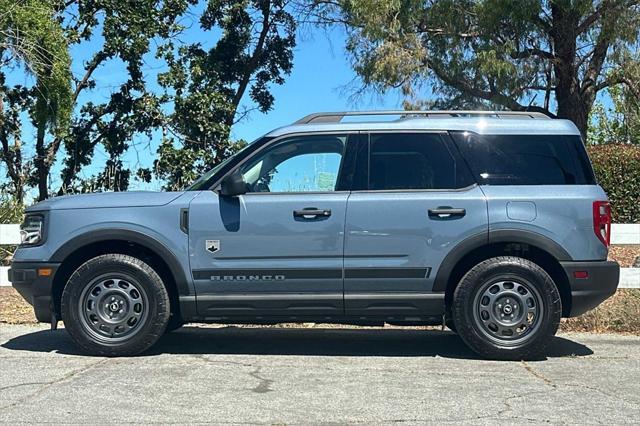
x,y
248,375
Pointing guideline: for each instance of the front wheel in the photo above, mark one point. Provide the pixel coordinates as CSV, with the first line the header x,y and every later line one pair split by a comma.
x,y
115,305
507,308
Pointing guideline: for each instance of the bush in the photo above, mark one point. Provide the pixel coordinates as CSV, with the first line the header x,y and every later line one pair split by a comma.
x,y
10,212
617,169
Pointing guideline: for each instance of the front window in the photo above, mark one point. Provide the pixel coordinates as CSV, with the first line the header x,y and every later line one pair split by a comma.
x,y
299,164
205,181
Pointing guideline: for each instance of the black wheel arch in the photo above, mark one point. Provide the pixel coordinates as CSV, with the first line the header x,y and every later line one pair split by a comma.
x,y
79,249
527,244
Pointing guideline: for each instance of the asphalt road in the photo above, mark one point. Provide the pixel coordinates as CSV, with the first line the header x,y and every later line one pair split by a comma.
x,y
300,376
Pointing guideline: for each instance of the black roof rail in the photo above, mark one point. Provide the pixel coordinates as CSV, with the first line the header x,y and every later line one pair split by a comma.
x,y
337,117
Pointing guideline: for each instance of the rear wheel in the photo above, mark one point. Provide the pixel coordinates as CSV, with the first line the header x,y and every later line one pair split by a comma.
x,y
115,305
507,308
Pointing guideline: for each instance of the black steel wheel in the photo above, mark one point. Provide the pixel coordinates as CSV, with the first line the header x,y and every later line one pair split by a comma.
x,y
115,305
507,308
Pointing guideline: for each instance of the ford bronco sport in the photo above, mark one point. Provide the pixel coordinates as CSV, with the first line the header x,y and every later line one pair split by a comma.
x,y
490,222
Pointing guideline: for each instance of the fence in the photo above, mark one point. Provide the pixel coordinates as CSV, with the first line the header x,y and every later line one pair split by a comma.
x,y
621,234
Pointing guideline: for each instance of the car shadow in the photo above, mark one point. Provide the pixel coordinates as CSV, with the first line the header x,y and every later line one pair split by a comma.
x,y
361,342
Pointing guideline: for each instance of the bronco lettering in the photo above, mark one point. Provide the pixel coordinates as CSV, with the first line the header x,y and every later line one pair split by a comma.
x,y
248,278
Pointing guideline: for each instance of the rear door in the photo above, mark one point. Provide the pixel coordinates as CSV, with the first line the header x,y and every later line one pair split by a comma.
x,y
417,202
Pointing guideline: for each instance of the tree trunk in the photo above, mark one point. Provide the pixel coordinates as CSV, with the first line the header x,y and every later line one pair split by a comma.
x,y
13,162
571,104
42,170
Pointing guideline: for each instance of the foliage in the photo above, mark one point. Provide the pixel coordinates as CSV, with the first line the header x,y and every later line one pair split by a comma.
x,y
513,54
30,36
11,211
246,46
128,29
619,123
254,51
617,169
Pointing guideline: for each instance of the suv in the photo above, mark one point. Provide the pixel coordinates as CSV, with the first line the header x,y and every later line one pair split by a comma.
x,y
489,222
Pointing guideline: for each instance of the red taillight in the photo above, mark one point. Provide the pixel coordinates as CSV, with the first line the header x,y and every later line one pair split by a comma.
x,y
602,221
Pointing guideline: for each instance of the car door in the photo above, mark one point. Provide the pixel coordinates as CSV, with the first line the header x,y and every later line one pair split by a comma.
x,y
418,201
278,249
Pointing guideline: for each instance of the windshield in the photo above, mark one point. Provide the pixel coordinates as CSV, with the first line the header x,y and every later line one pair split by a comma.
x,y
206,180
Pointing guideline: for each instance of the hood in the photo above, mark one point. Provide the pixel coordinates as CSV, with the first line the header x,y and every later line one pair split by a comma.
x,y
107,200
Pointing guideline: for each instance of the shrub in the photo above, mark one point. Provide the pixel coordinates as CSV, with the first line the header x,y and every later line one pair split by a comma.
x,y
617,169
10,212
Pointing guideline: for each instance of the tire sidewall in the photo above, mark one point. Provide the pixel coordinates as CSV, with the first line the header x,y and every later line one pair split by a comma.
x,y
157,304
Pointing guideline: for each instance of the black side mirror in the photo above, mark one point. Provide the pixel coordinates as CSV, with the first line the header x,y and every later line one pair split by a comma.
x,y
232,185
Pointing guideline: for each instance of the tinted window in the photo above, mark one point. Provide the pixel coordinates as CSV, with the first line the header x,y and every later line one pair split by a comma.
x,y
526,159
301,164
414,161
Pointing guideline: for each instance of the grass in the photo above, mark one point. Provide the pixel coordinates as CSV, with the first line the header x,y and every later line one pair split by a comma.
x,y
619,314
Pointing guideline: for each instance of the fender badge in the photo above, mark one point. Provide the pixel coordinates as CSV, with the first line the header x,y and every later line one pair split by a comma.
x,y
212,246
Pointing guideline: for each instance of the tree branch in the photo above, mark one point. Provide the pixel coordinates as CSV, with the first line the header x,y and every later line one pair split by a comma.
x,y
527,53
253,62
492,96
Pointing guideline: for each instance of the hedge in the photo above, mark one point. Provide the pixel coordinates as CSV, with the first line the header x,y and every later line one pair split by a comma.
x,y
617,169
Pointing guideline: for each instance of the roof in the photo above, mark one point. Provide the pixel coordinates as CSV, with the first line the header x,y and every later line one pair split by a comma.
x,y
482,122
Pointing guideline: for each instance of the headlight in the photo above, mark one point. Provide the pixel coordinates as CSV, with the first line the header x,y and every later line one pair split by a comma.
x,y
32,230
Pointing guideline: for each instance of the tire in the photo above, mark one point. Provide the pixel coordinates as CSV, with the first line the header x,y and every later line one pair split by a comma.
x,y
115,305
507,308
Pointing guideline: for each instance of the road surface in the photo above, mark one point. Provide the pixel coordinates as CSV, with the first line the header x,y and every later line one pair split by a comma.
x,y
310,376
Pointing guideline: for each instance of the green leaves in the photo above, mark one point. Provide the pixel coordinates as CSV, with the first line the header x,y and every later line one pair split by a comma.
x,y
29,34
254,49
617,169
245,47
514,54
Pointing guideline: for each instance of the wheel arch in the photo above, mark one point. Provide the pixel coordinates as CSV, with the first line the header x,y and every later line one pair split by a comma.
x,y
526,244
78,250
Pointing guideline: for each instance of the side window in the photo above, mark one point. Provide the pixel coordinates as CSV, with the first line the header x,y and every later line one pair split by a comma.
x,y
300,164
526,159
414,161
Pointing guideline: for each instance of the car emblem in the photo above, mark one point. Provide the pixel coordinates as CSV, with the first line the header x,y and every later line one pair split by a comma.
x,y
212,246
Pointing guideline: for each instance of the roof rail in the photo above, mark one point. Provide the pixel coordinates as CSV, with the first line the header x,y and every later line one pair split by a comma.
x,y
336,117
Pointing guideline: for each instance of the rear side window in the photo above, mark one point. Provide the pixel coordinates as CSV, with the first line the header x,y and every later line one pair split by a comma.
x,y
405,161
526,159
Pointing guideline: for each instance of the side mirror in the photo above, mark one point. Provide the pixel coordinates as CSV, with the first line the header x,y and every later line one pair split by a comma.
x,y
232,185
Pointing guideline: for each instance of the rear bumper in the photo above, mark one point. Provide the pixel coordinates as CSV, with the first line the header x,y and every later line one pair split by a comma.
x,y
587,293
33,287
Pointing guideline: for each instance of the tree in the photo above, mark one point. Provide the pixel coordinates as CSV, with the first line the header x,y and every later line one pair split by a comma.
x,y
619,122
246,46
548,56
206,86
128,28
29,36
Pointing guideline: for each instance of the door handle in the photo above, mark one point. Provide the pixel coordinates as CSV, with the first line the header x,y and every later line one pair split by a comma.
x,y
446,212
311,212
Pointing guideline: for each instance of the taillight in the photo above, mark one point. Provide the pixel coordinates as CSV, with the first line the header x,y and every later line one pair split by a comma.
x,y
602,221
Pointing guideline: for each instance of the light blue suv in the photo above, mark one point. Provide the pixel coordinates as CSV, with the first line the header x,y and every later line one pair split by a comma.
x,y
489,222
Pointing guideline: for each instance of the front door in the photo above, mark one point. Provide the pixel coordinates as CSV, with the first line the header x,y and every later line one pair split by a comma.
x,y
417,203
276,251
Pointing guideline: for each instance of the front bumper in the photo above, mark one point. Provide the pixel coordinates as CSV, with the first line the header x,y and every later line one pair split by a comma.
x,y
587,293
34,287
